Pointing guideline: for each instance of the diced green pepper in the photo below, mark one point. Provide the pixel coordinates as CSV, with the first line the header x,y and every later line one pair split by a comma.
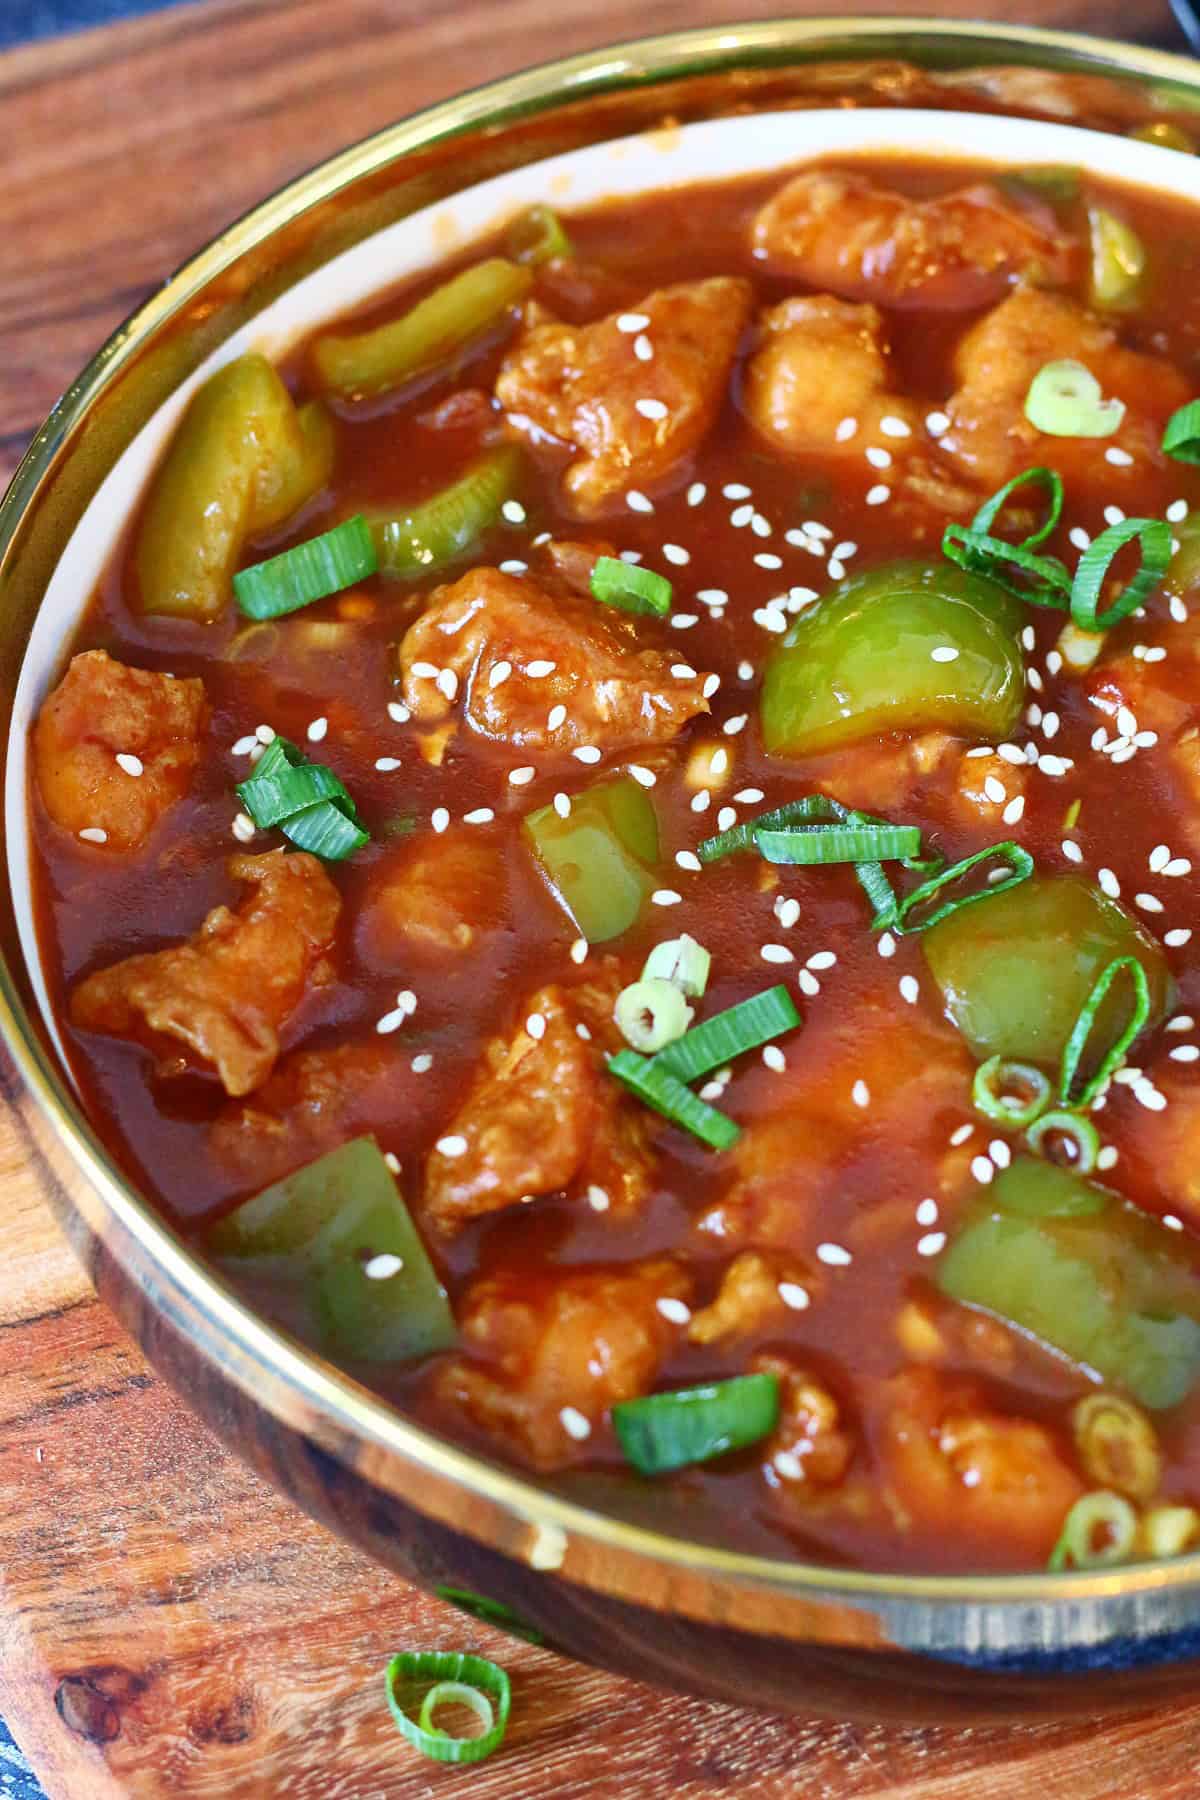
x,y
902,648
338,1232
360,364
1088,1274
600,859
437,531
1118,265
1016,968
242,460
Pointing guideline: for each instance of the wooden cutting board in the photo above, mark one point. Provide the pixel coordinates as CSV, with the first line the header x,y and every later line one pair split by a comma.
x,y
168,1626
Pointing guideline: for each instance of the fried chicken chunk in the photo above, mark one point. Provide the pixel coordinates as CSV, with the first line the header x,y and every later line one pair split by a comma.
x,y
843,233
572,1343
314,1101
517,653
821,361
225,994
435,897
582,385
102,710
543,1117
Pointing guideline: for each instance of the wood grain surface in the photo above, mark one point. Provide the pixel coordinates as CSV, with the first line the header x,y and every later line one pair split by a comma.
x,y
168,1626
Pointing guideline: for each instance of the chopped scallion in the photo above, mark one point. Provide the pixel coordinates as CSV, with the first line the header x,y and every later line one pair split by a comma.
x,y
448,1675
1101,1528
1066,400
307,572
1081,1032
651,1013
781,818
1154,536
681,961
810,844
729,1034
668,1096
1047,478
629,587
661,1432
1048,583
536,236
907,917
326,831
1010,1093
305,800
1079,1137
1181,438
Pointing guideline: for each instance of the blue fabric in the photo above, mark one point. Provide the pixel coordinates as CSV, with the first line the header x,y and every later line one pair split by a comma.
x,y
21,19
17,1779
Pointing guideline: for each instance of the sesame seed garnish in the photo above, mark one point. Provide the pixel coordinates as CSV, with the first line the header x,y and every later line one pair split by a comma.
x,y
745,670
808,984
317,730
931,1244
767,559
399,712
535,1025
579,950
540,667
424,671
683,672
879,459
1158,858
406,1000
1013,811
727,818
94,834
1148,902
684,621
741,515
927,1212
687,859
886,945
453,1145
776,953
514,566
675,553
633,322
597,1198
243,827
265,734
132,765
666,897
574,1423
835,1255
910,989
821,959
421,1064
586,753
1121,459
1172,1222
1177,937
696,493
761,526
636,501
480,815
650,409
1050,720
937,423
523,776
770,618
391,1021
787,911
1147,1095
983,1169
1055,765
995,789
877,495
674,1310
1184,1053
860,1093
392,1161
732,726
1000,1153
1113,515
793,1295
383,1266
245,745
1181,1022
1071,850
713,596
439,818
1106,1158
960,1135
386,764
701,801
846,430
556,716
774,1058
944,653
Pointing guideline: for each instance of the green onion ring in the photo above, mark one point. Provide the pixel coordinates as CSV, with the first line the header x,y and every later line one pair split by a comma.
x,y
1181,436
629,587
729,1034
1021,868
993,1094
1093,566
1080,1131
456,1669
661,1432
814,844
1082,1029
651,1013
981,554
1076,1546
1049,478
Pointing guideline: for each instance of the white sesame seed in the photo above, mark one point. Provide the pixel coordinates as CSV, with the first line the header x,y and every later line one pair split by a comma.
x,y
1181,1022
932,1244
1109,883
683,672
1126,721
424,671
1158,858
574,1423
910,989
936,423
650,409
893,427
944,653
675,553
643,349
687,859
834,1255
1178,865
439,818
877,495
392,1161
1014,810
674,1310
808,984
995,790
132,765
631,556
1184,1053
767,559
927,1212
741,515
1121,459
1113,515
633,322
480,815
1172,1222
499,674
453,1145
1179,936
696,493
860,1093
245,745
556,717
820,959
1147,1095
886,945
701,801
406,1000
960,1135
685,621
399,712
265,734
636,501
1148,902
243,827
1177,511
787,911
540,667
562,805
666,897
1055,765
726,818
523,776
586,753
983,1169
793,1295
1155,654
512,565
391,1021
1106,1158
776,953
846,430
597,1198
535,1025
770,618
774,1058
581,1031
386,764
1033,677
579,950
879,459
1071,850
317,730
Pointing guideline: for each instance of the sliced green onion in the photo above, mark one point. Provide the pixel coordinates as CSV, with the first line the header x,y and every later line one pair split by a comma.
x,y
1047,478
475,1675
681,961
885,907
307,572
1118,260
1081,1031
668,1096
839,844
492,1612
1101,1511
1080,1134
269,799
781,818
1155,538
1010,1093
981,554
1066,400
730,1033
305,800
326,831
630,587
1020,866
445,527
672,1431
1181,437
651,1014
536,236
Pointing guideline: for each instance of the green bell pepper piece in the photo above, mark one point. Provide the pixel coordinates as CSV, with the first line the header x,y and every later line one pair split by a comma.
x,y
600,859
1015,969
319,1230
439,530
863,660
1089,1275
242,460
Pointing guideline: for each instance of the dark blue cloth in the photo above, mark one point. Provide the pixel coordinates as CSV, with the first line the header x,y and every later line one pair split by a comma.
x,y
21,19
17,1780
